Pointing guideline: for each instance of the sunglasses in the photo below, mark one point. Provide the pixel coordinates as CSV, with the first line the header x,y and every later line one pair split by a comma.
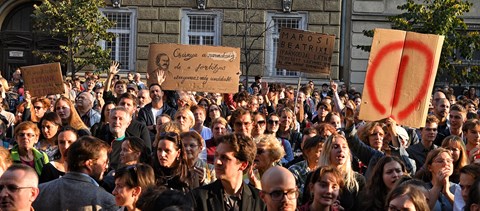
x,y
12,188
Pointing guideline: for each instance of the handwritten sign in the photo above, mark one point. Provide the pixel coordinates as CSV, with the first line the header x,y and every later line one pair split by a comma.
x,y
305,51
195,67
400,76
44,79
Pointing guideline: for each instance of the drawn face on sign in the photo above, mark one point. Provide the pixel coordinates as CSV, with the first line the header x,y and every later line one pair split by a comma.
x,y
163,61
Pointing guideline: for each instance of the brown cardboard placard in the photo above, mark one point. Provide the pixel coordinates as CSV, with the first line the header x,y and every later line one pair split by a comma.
x,y
400,76
43,79
304,51
201,68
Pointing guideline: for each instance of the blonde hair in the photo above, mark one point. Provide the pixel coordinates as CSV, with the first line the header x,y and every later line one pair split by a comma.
x,y
274,147
346,169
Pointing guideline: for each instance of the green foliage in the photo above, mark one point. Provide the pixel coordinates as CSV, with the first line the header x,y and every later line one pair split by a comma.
x,y
442,17
82,24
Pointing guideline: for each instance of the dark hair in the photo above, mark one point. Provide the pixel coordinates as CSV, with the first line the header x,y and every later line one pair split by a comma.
x,y
412,192
237,114
138,145
138,175
244,148
85,148
313,142
127,95
52,117
376,190
472,170
104,108
473,195
160,198
181,167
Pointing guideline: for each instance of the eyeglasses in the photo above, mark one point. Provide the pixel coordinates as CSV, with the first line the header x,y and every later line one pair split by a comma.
x,y
29,135
273,122
277,195
192,146
12,188
37,107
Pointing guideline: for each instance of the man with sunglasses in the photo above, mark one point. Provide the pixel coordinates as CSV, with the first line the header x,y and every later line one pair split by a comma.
x,y
279,191
234,156
18,188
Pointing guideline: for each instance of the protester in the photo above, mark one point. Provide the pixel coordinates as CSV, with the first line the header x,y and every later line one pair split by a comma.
x,y
273,125
18,188
219,128
35,108
459,155
234,155
278,182
26,135
57,168
84,105
200,172
67,112
5,160
269,153
407,197
418,152
259,125
325,186
468,175
130,182
184,117
87,160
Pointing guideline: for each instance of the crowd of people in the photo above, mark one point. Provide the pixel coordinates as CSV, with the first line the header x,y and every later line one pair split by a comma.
x,y
123,145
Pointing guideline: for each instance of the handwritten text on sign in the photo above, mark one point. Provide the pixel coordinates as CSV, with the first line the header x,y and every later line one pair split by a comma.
x,y
195,68
401,72
44,79
305,51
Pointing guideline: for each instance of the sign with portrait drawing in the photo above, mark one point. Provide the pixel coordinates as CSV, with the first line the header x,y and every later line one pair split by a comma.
x,y
194,67
305,51
43,79
400,76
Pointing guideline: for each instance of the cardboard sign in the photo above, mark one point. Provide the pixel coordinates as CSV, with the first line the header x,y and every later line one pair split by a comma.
x,y
195,68
43,79
304,51
400,76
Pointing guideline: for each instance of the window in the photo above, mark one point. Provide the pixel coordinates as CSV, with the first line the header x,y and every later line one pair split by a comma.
x,y
123,45
201,27
276,21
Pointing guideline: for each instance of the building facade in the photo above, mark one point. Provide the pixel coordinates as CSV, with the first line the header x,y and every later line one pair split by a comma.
x,y
251,25
369,14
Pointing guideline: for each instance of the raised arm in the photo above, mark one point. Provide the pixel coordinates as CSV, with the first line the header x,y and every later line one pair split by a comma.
x,y
112,71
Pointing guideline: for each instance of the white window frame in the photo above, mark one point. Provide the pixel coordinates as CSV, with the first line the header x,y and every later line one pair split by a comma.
x,y
132,37
217,34
272,34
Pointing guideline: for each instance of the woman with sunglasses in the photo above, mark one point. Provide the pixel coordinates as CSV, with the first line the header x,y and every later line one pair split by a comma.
x,y
35,108
273,125
130,182
259,125
288,129
172,171
201,173
213,112
269,153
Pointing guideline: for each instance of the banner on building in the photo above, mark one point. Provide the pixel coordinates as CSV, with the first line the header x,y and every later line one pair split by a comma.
x,y
305,51
195,68
400,76
43,79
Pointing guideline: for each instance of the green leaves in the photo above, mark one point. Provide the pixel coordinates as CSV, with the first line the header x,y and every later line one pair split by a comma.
x,y
442,17
84,26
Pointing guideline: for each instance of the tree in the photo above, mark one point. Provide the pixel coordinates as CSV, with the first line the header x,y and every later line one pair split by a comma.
x,y
442,17
83,26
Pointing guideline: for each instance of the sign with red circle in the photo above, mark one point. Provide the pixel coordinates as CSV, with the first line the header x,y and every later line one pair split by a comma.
x,y
400,76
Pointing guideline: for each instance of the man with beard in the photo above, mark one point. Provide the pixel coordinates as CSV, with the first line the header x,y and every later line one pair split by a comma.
x,y
419,151
163,62
234,155
278,182
441,110
87,160
148,114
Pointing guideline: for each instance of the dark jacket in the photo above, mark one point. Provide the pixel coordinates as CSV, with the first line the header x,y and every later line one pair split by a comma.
x,y
146,117
210,197
135,129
